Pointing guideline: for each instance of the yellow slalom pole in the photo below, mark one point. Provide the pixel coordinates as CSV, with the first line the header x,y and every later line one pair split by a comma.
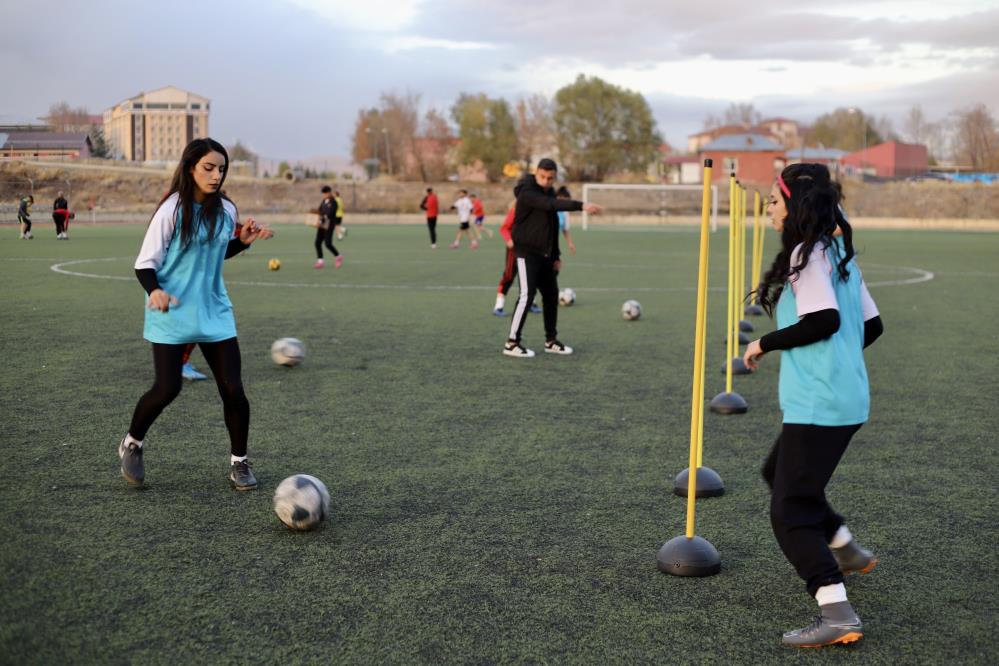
x,y
697,399
755,268
759,259
742,256
732,203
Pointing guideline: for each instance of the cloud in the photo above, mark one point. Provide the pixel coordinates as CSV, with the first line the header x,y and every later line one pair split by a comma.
x,y
396,44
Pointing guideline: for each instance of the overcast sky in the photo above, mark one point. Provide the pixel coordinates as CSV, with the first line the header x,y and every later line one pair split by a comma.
x,y
288,76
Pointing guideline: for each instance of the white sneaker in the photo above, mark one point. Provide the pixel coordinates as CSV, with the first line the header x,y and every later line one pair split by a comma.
x,y
556,347
517,350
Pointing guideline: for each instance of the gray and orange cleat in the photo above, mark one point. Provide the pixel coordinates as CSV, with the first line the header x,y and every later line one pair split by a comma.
x,y
241,476
132,468
851,558
837,625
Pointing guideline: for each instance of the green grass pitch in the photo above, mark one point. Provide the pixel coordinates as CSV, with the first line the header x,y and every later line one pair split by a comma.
x,y
484,509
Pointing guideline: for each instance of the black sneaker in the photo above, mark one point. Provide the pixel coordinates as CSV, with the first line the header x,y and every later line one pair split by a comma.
x,y
851,558
131,463
556,347
241,476
517,350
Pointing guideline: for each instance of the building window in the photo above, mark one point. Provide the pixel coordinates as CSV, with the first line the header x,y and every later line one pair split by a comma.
x,y
137,105
156,105
195,105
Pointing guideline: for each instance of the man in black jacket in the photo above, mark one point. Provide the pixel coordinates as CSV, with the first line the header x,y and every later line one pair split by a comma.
x,y
535,244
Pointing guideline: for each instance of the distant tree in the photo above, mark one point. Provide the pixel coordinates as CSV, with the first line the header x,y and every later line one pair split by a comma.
x,y
487,132
400,120
363,144
976,138
535,128
745,115
283,168
63,118
433,146
602,128
914,127
845,128
711,122
99,147
239,152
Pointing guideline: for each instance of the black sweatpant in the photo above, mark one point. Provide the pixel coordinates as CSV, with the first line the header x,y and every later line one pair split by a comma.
x,y
325,236
536,274
60,222
26,222
797,470
432,226
224,360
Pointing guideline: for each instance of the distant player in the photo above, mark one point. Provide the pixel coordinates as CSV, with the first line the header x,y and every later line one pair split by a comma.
x,y
61,216
563,219
825,319
341,230
509,265
535,242
327,227
24,216
180,267
187,369
464,208
431,206
479,213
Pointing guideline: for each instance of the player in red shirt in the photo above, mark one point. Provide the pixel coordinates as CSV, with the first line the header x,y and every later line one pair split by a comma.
x,y
479,213
510,267
431,205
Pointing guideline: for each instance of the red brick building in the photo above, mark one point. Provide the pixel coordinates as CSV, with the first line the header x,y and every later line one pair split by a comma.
x,y
888,160
753,157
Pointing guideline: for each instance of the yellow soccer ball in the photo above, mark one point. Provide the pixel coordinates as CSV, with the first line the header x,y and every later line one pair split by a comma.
x,y
274,264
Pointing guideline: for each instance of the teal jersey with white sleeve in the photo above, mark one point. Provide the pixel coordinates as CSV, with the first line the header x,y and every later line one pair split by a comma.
x,y
825,383
193,274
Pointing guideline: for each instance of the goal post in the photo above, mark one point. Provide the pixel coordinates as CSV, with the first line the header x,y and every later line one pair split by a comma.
x,y
645,203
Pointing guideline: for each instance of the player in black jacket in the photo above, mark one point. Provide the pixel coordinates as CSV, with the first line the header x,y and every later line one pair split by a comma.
x,y
535,244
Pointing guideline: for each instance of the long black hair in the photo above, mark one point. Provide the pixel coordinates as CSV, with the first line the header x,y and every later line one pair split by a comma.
x,y
813,215
183,184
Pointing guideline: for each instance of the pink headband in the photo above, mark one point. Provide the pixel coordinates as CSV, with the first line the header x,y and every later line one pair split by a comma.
x,y
783,186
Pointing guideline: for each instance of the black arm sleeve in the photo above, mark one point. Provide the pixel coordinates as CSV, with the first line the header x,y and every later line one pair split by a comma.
x,y
147,278
235,247
813,327
535,199
873,328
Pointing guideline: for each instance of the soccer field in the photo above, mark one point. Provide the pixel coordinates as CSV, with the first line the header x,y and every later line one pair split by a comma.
x,y
484,509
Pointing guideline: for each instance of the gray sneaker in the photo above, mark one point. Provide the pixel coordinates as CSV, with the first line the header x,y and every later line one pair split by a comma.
x,y
131,463
838,624
851,558
241,476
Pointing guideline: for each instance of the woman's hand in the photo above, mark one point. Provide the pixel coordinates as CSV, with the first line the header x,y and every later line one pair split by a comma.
x,y
251,231
753,354
160,300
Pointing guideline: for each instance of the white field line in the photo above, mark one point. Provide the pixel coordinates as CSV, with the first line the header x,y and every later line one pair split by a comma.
x,y
920,276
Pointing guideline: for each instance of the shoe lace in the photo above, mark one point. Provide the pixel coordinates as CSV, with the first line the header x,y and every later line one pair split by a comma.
x,y
813,627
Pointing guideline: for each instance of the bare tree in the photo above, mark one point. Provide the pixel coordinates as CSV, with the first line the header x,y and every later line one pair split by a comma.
x,y
63,118
915,125
400,122
432,148
711,121
976,139
535,128
742,114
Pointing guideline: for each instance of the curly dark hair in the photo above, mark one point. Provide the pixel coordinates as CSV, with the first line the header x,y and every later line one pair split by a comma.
x,y
813,215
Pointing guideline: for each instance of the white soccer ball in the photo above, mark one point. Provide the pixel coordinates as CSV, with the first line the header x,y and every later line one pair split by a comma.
x,y
301,502
566,297
631,310
288,352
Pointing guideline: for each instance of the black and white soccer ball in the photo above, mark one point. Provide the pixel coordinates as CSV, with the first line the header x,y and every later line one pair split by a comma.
x,y
288,352
566,297
631,310
301,502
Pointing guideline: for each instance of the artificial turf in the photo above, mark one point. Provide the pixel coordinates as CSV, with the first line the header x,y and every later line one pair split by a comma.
x,y
484,509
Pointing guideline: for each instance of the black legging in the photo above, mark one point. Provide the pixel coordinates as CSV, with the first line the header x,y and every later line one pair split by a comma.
x,y
432,226
325,235
224,360
797,470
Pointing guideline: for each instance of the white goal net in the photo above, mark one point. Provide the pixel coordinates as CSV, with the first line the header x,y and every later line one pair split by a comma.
x,y
648,204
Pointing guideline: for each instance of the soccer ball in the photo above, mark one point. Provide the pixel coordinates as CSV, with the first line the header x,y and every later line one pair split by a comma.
x,y
288,352
301,502
631,310
274,264
566,297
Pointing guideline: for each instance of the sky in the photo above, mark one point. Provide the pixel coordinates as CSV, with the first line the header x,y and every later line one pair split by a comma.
x,y
287,77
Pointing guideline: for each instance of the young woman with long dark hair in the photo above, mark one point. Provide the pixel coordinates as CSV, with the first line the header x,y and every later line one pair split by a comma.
x,y
192,232
825,318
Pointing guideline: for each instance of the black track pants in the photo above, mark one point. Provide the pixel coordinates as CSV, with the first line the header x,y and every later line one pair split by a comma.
x,y
224,360
325,236
432,227
798,468
536,274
